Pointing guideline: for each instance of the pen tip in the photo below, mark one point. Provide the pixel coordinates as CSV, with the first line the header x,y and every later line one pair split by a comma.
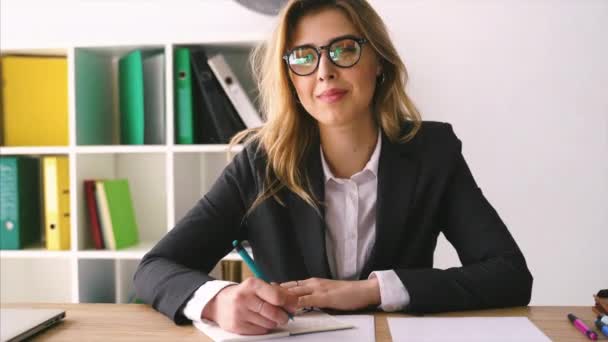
x,y
235,243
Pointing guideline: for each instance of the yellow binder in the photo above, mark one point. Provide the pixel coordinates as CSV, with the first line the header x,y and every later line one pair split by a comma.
x,y
56,202
35,101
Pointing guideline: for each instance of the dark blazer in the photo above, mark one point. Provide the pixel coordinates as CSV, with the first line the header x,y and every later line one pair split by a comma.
x,y
424,188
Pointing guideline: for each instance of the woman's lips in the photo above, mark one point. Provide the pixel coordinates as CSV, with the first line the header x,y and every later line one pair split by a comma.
x,y
332,95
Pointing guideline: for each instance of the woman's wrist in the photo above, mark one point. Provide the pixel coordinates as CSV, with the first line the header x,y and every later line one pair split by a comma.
x,y
372,291
209,309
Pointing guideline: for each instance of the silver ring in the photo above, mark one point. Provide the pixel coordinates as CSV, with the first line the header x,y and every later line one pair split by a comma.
x,y
260,306
297,283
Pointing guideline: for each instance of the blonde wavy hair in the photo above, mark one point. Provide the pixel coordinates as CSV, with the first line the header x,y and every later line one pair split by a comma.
x,y
289,130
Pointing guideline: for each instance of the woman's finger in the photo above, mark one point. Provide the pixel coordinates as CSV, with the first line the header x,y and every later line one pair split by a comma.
x,y
246,328
289,284
313,300
258,306
301,290
277,296
256,317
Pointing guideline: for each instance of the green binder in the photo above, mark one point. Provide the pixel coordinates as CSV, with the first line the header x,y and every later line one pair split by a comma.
x,y
122,214
184,132
131,92
20,216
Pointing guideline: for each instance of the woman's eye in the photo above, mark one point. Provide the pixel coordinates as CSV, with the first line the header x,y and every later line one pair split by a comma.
x,y
343,50
302,59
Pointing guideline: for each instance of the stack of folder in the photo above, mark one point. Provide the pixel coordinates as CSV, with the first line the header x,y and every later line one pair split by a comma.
x,y
211,105
34,89
111,215
35,202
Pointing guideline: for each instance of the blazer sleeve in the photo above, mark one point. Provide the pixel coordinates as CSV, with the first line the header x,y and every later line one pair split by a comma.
x,y
493,273
179,263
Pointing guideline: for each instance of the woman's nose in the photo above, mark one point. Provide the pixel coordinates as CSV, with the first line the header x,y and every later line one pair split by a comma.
x,y
327,69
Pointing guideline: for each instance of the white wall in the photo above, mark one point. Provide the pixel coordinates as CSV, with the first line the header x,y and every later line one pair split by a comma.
x,y
525,84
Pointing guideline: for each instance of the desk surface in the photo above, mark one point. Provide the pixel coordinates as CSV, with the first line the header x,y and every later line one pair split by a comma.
x,y
135,322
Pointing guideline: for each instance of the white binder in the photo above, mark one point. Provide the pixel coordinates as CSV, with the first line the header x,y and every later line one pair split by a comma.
x,y
237,95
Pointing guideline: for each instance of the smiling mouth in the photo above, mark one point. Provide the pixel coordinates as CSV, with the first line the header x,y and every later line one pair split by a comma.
x,y
333,96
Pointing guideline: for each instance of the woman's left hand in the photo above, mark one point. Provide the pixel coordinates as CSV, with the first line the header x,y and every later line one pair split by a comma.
x,y
335,294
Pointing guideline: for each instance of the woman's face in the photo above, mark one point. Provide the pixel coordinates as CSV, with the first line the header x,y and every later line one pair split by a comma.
x,y
334,96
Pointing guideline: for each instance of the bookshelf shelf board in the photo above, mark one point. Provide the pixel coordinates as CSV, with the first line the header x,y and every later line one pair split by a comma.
x,y
134,252
34,150
121,149
33,253
205,148
35,52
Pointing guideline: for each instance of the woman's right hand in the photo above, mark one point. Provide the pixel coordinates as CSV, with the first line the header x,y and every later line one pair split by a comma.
x,y
252,307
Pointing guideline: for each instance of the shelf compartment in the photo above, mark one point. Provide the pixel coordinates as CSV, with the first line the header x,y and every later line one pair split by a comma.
x,y
194,174
146,173
36,280
97,91
202,120
106,281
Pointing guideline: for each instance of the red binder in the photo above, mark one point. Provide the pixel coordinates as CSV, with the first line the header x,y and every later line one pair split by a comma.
x,y
89,189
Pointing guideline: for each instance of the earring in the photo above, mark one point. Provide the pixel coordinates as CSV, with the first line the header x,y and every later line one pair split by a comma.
x,y
382,77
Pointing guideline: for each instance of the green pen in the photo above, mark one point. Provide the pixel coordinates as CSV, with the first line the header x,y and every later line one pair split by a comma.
x,y
258,274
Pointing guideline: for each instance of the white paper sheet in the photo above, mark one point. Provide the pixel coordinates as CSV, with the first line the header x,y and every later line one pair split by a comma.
x,y
364,331
313,323
465,329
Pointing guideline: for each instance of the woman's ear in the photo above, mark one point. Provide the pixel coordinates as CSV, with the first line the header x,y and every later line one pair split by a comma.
x,y
379,68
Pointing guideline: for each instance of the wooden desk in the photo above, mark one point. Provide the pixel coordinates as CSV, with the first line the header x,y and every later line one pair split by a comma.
x,y
136,322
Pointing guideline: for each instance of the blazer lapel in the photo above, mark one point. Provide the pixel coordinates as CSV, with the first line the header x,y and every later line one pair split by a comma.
x,y
308,224
397,177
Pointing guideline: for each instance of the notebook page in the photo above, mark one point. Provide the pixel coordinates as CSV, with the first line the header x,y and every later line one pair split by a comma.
x,y
218,334
469,329
364,331
315,321
304,323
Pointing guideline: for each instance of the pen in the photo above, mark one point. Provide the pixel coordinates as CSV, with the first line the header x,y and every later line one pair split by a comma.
x,y
582,327
256,272
603,327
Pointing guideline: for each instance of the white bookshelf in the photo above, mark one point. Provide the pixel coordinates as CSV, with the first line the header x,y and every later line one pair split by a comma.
x,y
165,181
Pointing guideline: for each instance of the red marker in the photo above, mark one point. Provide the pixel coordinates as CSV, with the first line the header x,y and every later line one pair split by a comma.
x,y
582,327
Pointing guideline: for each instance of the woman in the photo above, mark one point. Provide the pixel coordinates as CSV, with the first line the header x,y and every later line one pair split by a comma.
x,y
341,194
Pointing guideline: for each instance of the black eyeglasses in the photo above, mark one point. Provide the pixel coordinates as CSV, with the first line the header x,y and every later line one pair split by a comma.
x,y
343,52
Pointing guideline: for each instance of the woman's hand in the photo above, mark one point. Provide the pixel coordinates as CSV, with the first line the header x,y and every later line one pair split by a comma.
x,y
252,307
335,294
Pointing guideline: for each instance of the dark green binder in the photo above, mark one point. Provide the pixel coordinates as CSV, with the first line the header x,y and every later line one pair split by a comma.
x,y
184,133
20,216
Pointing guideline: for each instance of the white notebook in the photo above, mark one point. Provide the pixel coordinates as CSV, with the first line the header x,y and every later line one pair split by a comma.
x,y
304,323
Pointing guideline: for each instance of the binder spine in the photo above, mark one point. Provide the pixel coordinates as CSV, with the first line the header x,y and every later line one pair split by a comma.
x,y
235,92
56,203
183,97
9,204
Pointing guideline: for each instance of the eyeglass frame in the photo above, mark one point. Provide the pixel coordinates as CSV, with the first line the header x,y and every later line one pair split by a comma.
x,y
318,50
